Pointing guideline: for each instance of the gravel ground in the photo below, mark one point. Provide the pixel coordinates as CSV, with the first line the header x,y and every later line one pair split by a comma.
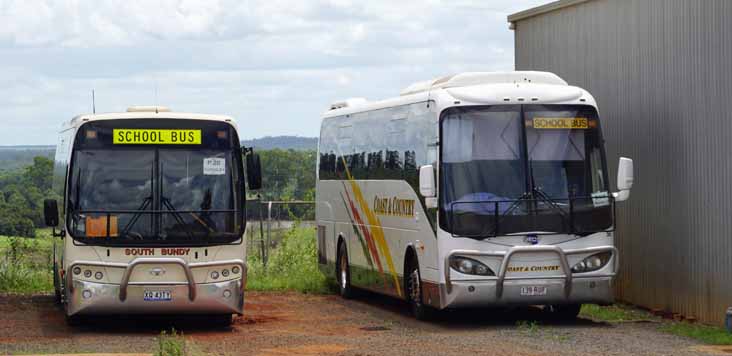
x,y
291,323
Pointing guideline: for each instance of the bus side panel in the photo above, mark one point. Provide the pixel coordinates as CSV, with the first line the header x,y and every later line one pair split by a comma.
x,y
368,170
60,172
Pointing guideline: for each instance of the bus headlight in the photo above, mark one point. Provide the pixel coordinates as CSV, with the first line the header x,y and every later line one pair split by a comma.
x,y
592,263
470,266
235,270
214,275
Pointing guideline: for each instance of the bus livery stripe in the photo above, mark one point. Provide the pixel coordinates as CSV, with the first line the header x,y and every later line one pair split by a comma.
x,y
376,230
356,231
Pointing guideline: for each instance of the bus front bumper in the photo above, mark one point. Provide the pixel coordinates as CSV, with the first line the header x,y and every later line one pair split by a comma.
x,y
463,294
210,298
565,288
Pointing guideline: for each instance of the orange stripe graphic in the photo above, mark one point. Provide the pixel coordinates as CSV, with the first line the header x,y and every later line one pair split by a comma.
x,y
377,232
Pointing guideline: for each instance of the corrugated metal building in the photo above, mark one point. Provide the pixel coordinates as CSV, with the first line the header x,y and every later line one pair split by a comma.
x,y
661,71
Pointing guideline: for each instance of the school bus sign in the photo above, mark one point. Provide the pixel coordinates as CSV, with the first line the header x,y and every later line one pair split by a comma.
x,y
156,137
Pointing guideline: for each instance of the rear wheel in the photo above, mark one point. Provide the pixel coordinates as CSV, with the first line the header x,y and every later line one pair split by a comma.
x,y
414,292
343,273
563,312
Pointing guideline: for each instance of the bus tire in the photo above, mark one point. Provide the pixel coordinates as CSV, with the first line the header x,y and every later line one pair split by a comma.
x,y
413,291
343,273
563,312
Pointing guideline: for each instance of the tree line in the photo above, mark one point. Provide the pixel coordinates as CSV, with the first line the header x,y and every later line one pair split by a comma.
x,y
22,192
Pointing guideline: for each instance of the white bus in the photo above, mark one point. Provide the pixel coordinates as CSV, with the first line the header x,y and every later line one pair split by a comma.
x,y
477,189
152,218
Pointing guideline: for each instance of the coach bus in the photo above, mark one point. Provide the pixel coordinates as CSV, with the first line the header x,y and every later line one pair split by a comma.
x,y
477,189
152,217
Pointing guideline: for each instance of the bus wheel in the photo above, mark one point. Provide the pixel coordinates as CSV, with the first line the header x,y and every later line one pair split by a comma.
x,y
343,273
563,312
414,293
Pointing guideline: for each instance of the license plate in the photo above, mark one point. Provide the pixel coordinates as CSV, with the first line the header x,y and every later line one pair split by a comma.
x,y
531,291
157,295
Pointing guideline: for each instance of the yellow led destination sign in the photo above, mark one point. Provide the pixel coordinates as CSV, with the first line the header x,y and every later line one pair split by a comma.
x,y
156,137
561,123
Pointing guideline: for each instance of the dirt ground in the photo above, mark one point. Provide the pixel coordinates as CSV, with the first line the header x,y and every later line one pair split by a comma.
x,y
298,324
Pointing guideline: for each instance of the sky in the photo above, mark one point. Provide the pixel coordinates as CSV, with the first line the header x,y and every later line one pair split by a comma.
x,y
273,65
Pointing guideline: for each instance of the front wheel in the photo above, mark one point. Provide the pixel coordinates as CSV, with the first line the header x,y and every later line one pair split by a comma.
x,y
563,312
414,293
343,273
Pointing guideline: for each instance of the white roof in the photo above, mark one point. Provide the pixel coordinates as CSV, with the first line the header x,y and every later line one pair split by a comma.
x,y
477,88
146,112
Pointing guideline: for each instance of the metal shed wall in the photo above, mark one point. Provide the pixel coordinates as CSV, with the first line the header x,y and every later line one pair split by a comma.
x,y
661,71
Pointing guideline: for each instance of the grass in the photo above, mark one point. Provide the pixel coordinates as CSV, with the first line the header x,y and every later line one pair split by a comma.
x,y
25,263
291,266
175,344
528,327
707,334
613,313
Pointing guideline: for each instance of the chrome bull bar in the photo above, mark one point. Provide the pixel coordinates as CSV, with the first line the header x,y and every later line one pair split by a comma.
x,y
129,268
506,256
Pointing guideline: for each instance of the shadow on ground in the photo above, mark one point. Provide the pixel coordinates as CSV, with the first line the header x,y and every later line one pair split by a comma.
x,y
470,319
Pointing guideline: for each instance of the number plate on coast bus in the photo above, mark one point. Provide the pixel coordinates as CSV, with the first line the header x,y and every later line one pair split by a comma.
x,y
531,291
157,296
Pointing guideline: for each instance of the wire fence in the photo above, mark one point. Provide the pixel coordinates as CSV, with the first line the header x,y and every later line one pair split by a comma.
x,y
268,221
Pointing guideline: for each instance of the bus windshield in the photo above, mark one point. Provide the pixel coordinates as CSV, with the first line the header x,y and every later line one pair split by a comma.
x,y
155,193
533,168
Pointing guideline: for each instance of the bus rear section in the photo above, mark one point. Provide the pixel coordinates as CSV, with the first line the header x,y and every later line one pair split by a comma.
x,y
153,215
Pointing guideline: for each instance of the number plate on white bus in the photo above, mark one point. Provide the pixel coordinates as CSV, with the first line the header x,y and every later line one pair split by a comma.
x,y
530,291
157,296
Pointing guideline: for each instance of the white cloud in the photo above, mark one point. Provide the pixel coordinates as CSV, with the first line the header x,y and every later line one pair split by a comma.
x,y
274,64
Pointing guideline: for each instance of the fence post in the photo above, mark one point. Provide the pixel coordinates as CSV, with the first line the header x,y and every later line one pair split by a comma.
x,y
261,229
269,228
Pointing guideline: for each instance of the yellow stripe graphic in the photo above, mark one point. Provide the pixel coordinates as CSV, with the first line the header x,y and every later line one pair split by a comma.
x,y
377,232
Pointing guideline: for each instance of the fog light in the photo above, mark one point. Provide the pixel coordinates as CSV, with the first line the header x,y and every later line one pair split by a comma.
x,y
87,273
86,294
225,273
214,275
98,275
77,270
227,293
235,270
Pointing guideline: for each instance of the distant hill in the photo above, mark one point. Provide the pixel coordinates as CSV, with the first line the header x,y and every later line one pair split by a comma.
x,y
282,142
14,157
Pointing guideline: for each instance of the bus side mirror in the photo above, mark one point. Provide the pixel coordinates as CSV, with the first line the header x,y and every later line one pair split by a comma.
x,y
50,212
625,179
427,181
427,186
254,171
